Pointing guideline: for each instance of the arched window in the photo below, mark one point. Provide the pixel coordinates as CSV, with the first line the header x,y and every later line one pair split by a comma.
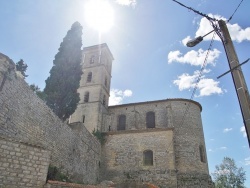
x,y
121,122
150,120
89,77
92,59
202,154
148,158
86,97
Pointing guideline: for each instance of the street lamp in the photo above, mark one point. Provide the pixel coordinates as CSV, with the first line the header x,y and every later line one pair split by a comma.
x,y
197,40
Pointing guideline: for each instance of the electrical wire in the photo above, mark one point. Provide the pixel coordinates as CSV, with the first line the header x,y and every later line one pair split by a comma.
x,y
234,11
199,78
196,11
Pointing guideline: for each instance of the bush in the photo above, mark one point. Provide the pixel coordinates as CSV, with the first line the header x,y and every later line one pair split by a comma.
x,y
55,174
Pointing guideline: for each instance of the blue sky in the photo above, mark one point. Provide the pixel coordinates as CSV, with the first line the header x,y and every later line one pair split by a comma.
x,y
151,62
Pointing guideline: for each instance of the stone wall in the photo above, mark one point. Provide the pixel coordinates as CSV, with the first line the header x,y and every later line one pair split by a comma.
x,y
22,165
136,115
25,117
123,157
184,117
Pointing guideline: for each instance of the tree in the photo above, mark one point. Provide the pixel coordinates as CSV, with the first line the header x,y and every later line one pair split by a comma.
x,y
228,175
22,67
37,91
63,82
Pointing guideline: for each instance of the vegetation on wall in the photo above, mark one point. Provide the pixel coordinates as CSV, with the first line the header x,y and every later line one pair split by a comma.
x,y
63,82
37,91
55,174
99,135
21,67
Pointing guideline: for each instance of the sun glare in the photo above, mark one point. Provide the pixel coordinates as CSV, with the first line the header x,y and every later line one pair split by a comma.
x,y
99,15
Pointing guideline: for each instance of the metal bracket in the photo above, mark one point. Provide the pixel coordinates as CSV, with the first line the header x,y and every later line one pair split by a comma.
x,y
233,68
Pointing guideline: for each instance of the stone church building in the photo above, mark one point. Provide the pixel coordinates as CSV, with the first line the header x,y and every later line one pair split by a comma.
x,y
158,141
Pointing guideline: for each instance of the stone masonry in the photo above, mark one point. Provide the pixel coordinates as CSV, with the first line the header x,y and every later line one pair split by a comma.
x,y
22,164
25,117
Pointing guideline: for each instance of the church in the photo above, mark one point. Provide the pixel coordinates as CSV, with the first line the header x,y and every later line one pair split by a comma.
x,y
158,141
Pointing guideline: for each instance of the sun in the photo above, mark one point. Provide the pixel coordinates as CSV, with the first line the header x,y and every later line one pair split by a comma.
x,y
99,15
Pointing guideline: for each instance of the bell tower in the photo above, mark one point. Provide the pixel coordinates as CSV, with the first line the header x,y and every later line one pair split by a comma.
x,y
94,86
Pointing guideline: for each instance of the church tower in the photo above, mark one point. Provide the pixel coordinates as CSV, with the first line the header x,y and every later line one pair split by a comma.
x,y
94,87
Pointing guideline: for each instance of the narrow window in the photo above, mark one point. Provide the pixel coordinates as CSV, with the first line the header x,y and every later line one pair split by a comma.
x,y
150,120
148,158
92,59
104,100
106,82
83,118
121,122
202,154
89,77
86,97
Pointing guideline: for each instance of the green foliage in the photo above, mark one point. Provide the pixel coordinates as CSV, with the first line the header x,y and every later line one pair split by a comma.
x,y
100,136
63,82
55,174
37,91
22,67
228,175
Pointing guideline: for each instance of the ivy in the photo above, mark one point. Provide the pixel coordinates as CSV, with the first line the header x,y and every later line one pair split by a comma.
x,y
99,135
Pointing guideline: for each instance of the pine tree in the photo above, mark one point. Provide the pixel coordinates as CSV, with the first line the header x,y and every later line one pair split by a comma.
x,y
22,67
63,82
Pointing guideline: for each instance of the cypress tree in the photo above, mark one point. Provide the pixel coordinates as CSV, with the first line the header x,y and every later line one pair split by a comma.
x,y
63,82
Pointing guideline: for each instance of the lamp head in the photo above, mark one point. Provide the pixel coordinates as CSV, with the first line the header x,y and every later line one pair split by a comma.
x,y
194,42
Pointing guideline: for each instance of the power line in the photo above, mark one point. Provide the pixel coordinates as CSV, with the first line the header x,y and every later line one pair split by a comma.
x,y
197,12
234,11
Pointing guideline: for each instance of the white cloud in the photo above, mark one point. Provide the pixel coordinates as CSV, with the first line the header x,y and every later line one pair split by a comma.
x,y
243,131
227,130
223,148
210,150
195,58
185,40
236,32
247,161
117,96
127,2
127,93
206,86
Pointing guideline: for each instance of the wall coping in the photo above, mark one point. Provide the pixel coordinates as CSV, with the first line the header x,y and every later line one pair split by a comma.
x,y
158,101
21,142
138,131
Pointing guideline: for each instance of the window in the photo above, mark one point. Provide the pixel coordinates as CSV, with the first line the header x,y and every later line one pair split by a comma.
x,y
89,77
121,122
104,100
150,120
92,59
83,118
202,154
148,158
106,82
86,97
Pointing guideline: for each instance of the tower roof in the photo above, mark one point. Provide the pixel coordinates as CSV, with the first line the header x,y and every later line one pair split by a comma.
x,y
100,46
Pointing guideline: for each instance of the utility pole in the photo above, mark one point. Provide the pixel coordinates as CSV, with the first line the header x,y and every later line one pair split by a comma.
x,y
237,75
